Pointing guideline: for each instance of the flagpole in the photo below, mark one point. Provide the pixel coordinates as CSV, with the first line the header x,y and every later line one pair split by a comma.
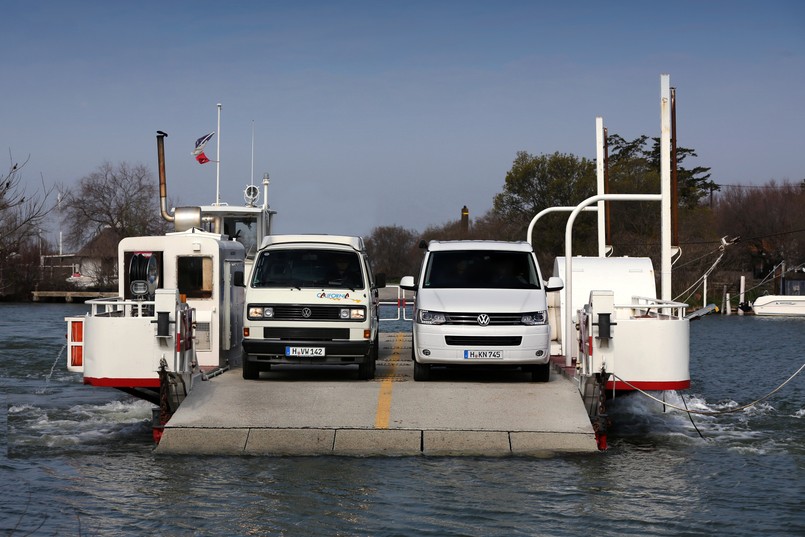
x,y
218,162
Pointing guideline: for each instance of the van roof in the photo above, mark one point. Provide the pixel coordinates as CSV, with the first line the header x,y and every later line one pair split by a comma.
x,y
512,246
354,242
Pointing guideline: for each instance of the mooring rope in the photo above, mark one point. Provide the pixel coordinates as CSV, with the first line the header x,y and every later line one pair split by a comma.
x,y
714,412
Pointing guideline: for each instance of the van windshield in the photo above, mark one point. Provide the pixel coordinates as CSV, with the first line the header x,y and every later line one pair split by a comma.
x,y
481,269
308,268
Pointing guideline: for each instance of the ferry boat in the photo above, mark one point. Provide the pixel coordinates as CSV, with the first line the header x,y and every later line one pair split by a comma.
x,y
179,312
178,316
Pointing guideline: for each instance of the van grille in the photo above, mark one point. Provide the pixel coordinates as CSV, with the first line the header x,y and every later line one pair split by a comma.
x,y
495,319
294,312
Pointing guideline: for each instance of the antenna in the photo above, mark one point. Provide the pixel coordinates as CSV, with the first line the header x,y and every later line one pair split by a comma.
x,y
218,162
252,183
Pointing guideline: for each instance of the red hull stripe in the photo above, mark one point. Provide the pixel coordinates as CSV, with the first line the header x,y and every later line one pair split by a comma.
x,y
650,386
122,383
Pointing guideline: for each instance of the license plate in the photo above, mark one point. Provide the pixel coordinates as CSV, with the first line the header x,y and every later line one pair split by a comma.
x,y
483,355
304,351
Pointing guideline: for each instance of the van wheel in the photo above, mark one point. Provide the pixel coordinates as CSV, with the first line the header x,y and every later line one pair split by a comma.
x,y
251,370
421,371
541,373
366,370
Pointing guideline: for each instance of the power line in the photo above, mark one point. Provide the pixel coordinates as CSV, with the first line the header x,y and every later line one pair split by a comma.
x,y
789,185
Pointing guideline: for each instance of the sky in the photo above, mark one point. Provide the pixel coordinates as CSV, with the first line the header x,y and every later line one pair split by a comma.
x,y
391,113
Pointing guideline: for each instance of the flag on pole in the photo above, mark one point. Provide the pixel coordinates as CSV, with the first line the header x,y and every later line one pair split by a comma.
x,y
198,152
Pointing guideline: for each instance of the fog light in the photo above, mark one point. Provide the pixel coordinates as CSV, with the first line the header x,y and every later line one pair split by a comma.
x,y
540,353
426,352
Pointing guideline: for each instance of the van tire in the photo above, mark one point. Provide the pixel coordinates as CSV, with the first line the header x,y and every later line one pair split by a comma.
x,y
421,371
541,373
251,370
366,370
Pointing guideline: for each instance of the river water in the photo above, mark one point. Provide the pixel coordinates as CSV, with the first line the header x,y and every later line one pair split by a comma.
x,y
78,460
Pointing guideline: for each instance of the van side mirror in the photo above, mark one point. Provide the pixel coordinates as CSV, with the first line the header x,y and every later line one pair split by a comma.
x,y
380,280
237,279
555,283
407,282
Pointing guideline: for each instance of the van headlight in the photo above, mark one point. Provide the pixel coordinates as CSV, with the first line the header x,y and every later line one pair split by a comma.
x,y
260,312
534,318
430,317
352,314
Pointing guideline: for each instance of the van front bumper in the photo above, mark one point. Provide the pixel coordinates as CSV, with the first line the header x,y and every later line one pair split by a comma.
x,y
277,352
451,344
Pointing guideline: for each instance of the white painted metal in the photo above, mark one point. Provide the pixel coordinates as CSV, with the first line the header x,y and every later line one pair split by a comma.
x,y
568,314
600,142
665,186
218,161
626,277
549,210
741,296
199,244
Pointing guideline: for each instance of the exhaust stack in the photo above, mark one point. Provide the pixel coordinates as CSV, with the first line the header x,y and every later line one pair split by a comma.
x,y
163,187
185,217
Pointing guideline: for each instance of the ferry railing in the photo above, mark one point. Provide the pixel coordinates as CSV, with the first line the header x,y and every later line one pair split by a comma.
x,y
118,307
662,309
401,305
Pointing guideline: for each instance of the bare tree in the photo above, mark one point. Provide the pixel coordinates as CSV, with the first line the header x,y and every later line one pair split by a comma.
x,y
21,216
393,251
123,198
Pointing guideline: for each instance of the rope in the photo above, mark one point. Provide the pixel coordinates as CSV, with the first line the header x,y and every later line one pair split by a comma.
x,y
714,412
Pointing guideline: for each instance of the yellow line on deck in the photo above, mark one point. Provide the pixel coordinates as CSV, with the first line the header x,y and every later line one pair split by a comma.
x,y
384,397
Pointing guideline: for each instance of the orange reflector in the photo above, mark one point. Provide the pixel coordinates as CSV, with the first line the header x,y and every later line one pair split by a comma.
x,y
245,331
367,334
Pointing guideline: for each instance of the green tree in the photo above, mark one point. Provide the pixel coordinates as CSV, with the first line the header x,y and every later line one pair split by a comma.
x,y
693,185
536,182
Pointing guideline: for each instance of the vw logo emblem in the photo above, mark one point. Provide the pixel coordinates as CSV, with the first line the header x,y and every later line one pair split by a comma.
x,y
483,319
306,313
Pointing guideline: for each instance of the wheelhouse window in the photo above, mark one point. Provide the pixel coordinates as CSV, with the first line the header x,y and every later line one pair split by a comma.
x,y
487,269
244,230
308,269
195,276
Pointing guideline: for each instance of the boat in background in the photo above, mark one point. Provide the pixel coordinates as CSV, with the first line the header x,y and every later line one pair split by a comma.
x,y
790,301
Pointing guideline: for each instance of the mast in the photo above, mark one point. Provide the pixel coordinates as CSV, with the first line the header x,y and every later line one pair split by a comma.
x,y
665,182
600,140
218,162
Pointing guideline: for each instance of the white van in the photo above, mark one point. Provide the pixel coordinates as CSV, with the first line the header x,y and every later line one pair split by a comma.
x,y
311,299
481,302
